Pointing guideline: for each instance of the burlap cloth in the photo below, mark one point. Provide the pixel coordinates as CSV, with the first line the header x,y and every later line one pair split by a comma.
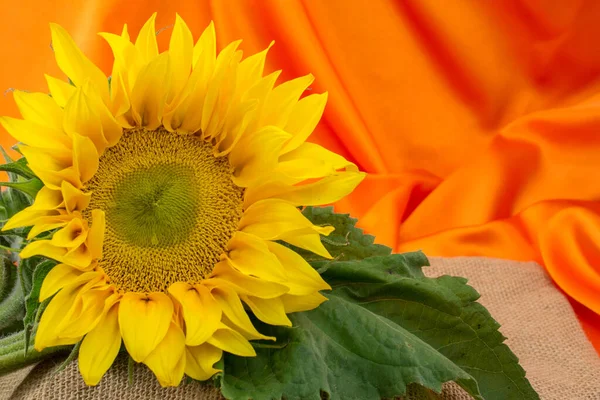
x,y
539,322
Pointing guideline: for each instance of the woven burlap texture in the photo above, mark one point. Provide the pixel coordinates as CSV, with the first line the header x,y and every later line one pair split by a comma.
x,y
539,322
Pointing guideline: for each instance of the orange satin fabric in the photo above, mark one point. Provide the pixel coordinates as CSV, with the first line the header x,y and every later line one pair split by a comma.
x,y
478,121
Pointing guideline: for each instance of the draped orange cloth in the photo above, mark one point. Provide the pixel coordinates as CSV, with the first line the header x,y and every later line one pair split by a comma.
x,y
478,121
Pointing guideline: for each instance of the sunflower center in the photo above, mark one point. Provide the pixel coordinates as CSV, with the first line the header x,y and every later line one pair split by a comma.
x,y
171,207
154,206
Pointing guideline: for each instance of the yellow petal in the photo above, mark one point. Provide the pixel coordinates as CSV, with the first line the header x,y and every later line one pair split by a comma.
x,y
39,108
59,276
46,203
235,126
43,248
85,157
270,311
313,151
47,223
60,90
302,303
261,90
220,91
26,217
79,257
146,40
181,50
144,321
124,32
232,342
177,117
74,64
205,50
92,310
128,60
100,347
45,335
126,68
81,118
95,238
193,96
48,199
51,160
273,219
200,361
311,242
121,106
224,274
250,255
54,179
256,155
72,235
233,309
52,166
226,101
58,307
35,135
149,92
167,360
74,199
111,130
283,99
302,279
201,311
304,117
324,191
309,161
251,69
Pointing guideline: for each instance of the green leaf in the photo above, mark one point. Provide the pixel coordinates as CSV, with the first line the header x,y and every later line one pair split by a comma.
x,y
30,187
18,167
7,158
384,327
344,350
13,201
450,320
32,298
347,242
28,266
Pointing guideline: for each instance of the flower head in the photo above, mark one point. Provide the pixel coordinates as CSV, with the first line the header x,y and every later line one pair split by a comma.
x,y
168,192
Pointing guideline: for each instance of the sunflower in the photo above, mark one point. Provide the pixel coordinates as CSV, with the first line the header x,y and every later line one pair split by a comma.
x,y
169,189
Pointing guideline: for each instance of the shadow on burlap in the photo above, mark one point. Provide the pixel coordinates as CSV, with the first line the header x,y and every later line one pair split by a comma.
x,y
543,332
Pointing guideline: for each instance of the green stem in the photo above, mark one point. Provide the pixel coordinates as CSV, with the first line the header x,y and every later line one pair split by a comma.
x,y
12,307
130,371
13,357
8,277
11,249
268,346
